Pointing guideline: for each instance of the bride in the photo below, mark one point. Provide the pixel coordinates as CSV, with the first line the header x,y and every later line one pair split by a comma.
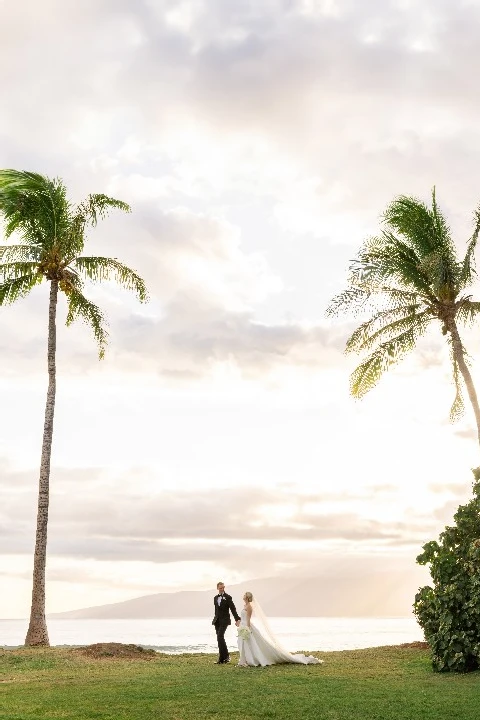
x,y
258,648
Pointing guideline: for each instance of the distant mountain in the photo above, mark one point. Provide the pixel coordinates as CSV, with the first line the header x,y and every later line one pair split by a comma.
x,y
363,593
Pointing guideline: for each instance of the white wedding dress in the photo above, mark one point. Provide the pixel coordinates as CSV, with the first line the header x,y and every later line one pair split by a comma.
x,y
256,649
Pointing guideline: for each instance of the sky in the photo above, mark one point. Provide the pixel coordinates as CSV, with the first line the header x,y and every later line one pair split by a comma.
x,y
258,143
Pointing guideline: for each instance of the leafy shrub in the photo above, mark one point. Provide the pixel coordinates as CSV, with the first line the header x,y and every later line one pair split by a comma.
x,y
449,612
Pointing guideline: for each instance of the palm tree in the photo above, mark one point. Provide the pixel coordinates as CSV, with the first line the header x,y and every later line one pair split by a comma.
x,y
406,278
52,234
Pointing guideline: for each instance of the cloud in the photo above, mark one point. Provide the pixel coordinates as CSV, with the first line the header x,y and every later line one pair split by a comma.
x,y
257,143
206,524
204,290
193,338
462,490
219,84
467,433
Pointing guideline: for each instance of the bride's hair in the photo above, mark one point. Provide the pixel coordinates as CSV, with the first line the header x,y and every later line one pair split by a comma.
x,y
249,596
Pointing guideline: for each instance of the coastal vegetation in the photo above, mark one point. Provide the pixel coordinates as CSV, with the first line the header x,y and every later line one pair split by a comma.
x,y
387,682
403,280
449,612
52,233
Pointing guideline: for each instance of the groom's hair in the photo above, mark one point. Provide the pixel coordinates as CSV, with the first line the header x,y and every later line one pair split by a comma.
x,y
220,583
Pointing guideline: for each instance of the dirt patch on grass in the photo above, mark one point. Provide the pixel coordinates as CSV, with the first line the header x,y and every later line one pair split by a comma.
x,y
417,644
112,650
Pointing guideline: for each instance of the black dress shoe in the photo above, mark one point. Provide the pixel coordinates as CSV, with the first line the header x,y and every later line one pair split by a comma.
x,y
226,661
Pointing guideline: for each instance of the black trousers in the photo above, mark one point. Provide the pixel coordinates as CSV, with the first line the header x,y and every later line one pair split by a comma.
x,y
220,629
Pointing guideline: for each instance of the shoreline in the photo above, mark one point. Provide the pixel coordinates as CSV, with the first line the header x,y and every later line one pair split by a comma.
x,y
418,644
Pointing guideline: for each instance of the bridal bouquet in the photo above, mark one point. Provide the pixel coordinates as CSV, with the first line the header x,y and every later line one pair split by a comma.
x,y
244,632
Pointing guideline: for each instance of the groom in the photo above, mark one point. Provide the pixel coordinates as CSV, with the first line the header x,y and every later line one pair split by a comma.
x,y
223,604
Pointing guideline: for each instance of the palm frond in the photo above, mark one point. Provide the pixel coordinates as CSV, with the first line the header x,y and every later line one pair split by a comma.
x,y
398,296
81,308
349,300
424,230
458,406
34,206
18,287
384,324
100,269
358,299
87,213
416,323
467,273
442,230
379,249
19,253
442,275
387,260
468,312
14,270
427,231
412,219
97,206
388,354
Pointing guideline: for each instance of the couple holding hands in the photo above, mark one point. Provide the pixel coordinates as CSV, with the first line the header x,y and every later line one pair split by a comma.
x,y
257,645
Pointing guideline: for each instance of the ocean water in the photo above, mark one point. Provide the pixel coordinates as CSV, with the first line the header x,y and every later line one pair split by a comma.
x,y
194,635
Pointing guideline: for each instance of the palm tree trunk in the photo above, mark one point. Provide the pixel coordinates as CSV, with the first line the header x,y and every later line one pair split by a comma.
x,y
37,633
459,355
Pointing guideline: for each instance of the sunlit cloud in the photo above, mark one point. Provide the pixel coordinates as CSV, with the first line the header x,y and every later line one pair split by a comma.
x,y
258,144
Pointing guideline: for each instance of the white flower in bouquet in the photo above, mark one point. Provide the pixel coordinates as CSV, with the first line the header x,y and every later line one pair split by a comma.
x,y
244,632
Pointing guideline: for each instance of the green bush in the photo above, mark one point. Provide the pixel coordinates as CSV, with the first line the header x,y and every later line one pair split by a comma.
x,y
449,612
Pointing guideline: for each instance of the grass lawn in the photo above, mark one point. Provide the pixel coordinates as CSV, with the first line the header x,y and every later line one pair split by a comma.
x,y
371,684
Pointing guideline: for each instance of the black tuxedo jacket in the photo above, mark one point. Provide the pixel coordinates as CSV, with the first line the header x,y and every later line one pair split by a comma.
x,y
222,611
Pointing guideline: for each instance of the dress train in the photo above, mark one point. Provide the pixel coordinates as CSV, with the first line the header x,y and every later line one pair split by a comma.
x,y
256,650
